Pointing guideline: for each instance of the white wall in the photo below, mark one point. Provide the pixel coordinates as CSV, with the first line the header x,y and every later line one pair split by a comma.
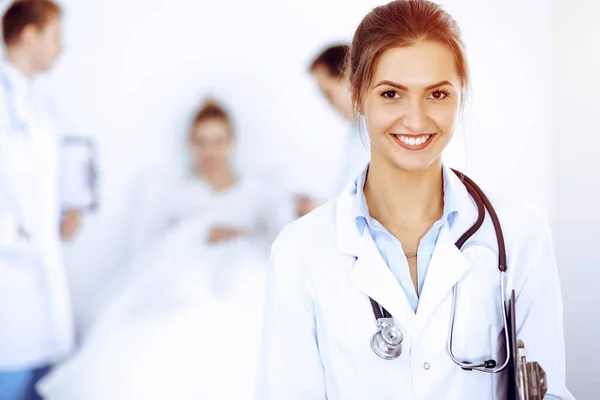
x,y
135,69
576,37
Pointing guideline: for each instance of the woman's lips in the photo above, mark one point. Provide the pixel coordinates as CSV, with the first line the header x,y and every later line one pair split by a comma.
x,y
413,142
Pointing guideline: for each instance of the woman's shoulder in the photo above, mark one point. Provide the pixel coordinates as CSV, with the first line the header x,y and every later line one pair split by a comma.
x,y
514,211
528,242
522,212
523,223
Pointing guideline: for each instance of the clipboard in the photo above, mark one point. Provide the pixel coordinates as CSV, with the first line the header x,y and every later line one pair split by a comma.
x,y
512,392
526,380
78,174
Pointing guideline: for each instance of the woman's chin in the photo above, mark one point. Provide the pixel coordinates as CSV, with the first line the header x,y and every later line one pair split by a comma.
x,y
414,164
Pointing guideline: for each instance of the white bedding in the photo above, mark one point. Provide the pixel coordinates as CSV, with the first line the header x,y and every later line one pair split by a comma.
x,y
185,324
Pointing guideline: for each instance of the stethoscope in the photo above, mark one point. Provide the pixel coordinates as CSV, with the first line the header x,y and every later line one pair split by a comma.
x,y
387,341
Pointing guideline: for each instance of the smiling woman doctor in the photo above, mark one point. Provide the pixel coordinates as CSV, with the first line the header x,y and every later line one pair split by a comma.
x,y
387,247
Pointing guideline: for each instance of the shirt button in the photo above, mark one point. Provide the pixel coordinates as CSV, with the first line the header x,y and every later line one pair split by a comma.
x,y
426,366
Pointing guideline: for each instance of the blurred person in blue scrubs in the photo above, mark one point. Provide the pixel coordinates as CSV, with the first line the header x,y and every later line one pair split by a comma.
x,y
328,70
36,321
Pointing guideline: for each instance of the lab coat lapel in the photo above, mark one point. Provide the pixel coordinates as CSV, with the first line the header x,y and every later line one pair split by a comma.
x,y
370,273
448,265
373,277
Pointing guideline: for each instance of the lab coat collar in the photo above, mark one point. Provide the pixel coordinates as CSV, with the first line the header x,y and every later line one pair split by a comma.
x,y
349,238
374,278
462,203
448,264
361,210
14,77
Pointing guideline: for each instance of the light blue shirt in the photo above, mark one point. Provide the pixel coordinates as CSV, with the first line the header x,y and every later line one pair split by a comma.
x,y
390,248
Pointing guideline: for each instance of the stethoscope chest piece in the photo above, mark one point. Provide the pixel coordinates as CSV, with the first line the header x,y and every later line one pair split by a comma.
x,y
387,342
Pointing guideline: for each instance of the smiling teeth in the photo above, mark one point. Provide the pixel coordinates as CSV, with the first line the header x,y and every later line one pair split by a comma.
x,y
412,141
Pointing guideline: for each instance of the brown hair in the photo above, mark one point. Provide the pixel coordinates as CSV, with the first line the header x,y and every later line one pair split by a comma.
x,y
333,58
211,109
397,24
23,13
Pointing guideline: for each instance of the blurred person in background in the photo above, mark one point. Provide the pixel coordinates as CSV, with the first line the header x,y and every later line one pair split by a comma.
x,y
237,205
36,326
164,330
328,71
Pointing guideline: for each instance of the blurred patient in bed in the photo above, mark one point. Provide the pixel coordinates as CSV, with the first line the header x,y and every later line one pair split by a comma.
x,y
232,203
184,321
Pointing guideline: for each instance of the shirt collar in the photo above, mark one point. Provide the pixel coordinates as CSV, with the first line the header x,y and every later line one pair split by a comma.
x,y
361,209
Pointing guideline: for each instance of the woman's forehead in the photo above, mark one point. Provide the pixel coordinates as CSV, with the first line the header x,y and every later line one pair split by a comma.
x,y
416,66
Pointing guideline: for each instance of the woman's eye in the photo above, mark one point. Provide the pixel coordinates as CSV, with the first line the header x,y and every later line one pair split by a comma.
x,y
390,94
438,95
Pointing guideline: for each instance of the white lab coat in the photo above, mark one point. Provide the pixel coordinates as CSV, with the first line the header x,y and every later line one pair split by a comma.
x,y
320,322
36,322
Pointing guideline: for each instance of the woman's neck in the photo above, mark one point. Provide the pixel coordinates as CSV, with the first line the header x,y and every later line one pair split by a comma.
x,y
399,199
219,180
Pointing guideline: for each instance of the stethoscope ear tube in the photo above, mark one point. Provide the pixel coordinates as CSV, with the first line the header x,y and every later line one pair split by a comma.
x,y
478,194
483,204
379,311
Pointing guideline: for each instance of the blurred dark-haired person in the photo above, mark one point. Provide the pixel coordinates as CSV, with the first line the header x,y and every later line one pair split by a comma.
x,y
328,70
36,327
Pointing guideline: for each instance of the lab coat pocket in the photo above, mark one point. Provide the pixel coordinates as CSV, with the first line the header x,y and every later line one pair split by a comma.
x,y
21,298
